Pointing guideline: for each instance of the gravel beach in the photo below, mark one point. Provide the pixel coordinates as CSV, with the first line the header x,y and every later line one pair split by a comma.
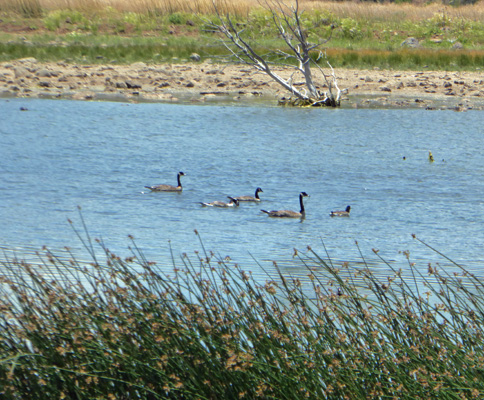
x,y
202,82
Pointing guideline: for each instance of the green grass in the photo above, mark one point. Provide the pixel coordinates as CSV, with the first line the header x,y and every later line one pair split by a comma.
x,y
100,49
86,49
122,328
408,59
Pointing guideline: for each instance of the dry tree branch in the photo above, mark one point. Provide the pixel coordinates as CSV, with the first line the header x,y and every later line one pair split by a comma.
x,y
289,25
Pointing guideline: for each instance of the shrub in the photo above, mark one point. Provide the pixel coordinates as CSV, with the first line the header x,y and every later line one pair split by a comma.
x,y
176,18
350,28
61,18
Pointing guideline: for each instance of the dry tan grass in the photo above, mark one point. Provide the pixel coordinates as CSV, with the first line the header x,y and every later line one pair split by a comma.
x,y
396,12
238,7
171,6
357,10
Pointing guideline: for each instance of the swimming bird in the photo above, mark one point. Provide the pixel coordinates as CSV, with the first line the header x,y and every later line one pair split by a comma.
x,y
250,198
431,157
345,213
289,213
168,188
232,203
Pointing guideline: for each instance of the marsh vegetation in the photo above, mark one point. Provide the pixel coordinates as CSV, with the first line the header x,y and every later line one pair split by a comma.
x,y
364,34
123,329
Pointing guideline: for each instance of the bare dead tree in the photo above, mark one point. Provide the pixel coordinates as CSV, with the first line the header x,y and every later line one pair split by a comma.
x,y
287,20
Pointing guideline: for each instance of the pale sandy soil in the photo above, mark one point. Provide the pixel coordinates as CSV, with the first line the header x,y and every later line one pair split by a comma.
x,y
194,82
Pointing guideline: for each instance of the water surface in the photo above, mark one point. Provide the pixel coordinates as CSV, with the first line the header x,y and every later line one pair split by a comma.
x,y
59,155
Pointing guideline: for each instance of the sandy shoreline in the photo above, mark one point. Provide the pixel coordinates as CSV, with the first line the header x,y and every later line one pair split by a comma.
x,y
194,82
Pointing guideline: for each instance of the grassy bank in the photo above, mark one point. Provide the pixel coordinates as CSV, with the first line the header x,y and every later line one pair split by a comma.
x,y
364,34
123,329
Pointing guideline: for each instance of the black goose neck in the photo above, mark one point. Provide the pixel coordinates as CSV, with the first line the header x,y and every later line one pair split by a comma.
x,y
301,203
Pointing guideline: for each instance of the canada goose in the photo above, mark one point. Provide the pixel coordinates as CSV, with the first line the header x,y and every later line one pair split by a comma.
x,y
250,198
289,213
345,213
168,188
232,203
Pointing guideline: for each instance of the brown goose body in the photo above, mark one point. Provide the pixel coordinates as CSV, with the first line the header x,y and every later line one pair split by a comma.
x,y
168,188
289,213
250,198
232,203
345,213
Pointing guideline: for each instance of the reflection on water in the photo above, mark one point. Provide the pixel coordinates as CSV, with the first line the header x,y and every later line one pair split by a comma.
x,y
63,154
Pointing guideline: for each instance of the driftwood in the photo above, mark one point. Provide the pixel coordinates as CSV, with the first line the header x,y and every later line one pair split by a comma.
x,y
287,20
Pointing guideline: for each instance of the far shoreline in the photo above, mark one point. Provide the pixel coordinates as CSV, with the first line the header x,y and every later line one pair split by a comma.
x,y
235,84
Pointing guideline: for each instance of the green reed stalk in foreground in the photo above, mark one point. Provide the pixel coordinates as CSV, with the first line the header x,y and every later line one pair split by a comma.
x,y
123,329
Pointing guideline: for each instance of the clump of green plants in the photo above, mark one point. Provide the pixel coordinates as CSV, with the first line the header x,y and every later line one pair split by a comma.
x,y
350,28
176,18
62,18
125,328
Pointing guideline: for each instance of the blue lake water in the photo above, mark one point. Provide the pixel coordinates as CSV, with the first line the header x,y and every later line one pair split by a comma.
x,y
59,155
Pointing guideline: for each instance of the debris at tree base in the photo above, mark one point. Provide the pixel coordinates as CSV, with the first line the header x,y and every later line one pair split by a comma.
x,y
298,102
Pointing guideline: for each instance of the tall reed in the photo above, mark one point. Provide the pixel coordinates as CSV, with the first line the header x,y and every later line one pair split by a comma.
x,y
122,328
26,8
